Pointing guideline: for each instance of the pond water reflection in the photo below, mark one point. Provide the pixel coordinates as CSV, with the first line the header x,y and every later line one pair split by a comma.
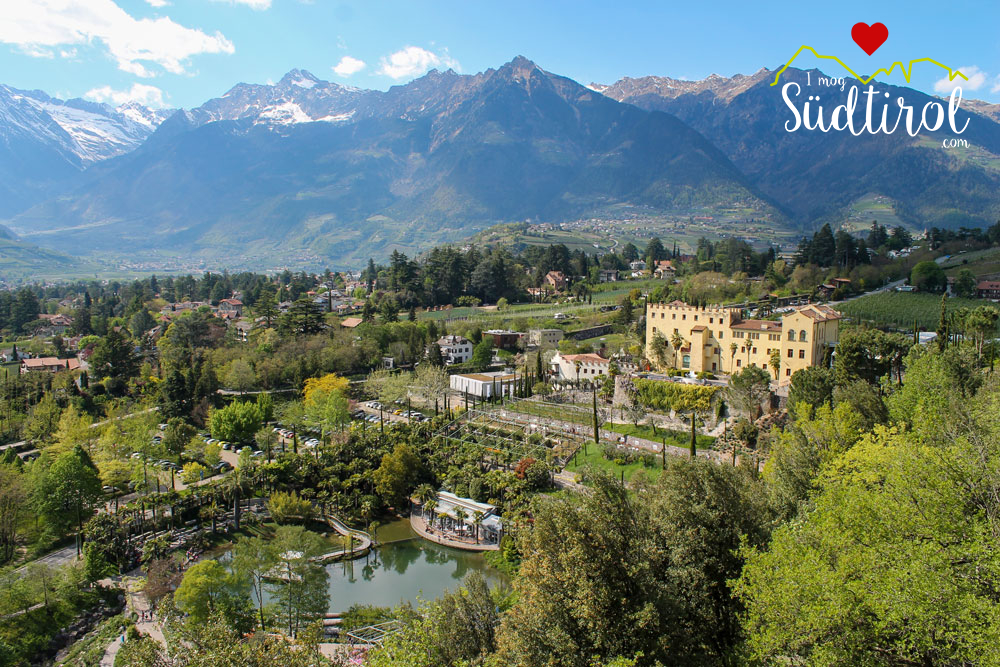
x,y
406,569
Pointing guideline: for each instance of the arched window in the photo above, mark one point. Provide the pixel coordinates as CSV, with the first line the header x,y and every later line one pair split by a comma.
x,y
686,360
791,335
802,336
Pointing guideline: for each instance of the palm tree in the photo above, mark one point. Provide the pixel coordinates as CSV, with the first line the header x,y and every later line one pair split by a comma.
x,y
732,355
424,494
429,508
367,512
211,513
477,516
234,486
775,362
460,515
677,342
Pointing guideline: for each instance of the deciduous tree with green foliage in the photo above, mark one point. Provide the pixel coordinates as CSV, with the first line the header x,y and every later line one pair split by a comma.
x,y
237,422
208,588
397,475
482,354
300,586
68,491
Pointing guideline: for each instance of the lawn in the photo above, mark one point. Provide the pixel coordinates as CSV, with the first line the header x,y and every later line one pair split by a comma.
x,y
677,438
594,458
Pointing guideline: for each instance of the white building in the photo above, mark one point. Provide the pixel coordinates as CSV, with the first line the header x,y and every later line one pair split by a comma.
x,y
573,367
491,525
455,349
483,385
542,337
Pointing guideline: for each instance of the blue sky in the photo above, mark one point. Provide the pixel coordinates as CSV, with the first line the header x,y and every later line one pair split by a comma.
x,y
183,52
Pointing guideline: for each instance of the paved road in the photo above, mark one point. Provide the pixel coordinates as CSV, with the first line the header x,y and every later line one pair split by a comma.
x,y
885,288
56,558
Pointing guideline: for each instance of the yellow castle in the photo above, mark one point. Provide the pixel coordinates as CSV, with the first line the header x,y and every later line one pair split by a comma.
x,y
716,339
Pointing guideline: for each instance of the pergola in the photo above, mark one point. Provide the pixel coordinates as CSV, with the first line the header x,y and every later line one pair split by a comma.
x,y
502,428
373,635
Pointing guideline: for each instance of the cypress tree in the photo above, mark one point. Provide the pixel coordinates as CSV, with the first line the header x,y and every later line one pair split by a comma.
x,y
942,330
597,433
694,440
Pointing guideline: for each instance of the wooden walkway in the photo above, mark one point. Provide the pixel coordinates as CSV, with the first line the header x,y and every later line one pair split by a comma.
x,y
363,539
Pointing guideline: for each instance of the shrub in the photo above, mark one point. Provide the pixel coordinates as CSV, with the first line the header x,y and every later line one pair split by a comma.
x,y
285,507
667,396
193,472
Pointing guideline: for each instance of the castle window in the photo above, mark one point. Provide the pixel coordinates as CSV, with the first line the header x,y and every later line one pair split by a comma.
x,y
791,353
802,336
802,354
791,335
686,361
788,372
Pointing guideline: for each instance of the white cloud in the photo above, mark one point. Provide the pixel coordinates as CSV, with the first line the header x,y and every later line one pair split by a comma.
x,y
37,26
157,3
977,78
413,60
348,66
149,96
996,85
252,4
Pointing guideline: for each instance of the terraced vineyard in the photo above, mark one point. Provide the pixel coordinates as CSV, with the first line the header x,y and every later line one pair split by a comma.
x,y
901,309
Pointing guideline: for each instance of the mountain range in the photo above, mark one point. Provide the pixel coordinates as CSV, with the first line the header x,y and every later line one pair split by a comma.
x,y
306,172
817,175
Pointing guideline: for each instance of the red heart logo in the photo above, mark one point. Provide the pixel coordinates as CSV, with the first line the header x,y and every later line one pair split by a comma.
x,y
869,37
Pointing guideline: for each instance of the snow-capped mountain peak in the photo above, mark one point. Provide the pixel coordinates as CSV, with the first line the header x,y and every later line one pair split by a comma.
x,y
299,97
89,131
300,78
145,116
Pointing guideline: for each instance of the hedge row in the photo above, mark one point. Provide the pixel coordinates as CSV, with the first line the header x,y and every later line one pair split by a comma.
x,y
667,396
